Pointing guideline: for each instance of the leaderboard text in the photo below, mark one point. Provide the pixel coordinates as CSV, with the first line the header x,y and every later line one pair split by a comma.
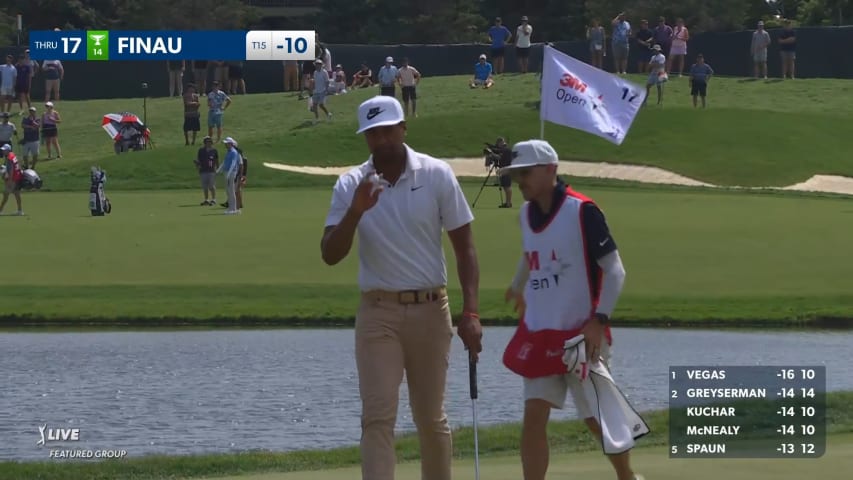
x,y
106,45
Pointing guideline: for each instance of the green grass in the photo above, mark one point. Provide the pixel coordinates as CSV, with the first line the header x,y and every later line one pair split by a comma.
x,y
753,134
498,446
700,257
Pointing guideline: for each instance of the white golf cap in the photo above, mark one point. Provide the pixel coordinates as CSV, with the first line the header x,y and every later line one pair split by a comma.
x,y
379,111
389,59
531,153
48,104
482,56
6,148
230,140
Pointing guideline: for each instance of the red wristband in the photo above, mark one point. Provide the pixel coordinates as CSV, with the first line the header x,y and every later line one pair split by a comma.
x,y
470,315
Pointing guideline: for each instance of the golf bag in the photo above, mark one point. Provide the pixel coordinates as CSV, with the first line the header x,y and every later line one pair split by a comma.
x,y
30,180
99,204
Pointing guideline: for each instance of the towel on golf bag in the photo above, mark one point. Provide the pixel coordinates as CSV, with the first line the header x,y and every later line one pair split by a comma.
x,y
620,424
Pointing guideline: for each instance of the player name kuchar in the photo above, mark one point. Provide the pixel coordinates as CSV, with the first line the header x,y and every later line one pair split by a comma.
x,y
727,392
710,411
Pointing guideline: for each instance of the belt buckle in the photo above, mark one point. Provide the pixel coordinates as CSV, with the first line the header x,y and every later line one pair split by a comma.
x,y
408,297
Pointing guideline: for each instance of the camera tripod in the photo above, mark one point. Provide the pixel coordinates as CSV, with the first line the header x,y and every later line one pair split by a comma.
x,y
492,169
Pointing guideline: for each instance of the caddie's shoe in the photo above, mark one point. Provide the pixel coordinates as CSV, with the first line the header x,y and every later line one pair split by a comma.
x,y
639,477
19,213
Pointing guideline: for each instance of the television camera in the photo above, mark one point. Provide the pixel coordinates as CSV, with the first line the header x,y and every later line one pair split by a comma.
x,y
495,156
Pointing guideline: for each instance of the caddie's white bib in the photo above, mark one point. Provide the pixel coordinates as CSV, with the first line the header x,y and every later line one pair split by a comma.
x,y
558,293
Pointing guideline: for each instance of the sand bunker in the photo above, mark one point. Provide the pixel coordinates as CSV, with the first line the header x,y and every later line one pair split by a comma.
x,y
473,167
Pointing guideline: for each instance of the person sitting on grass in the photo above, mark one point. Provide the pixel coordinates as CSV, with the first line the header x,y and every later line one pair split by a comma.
x,y
482,73
361,78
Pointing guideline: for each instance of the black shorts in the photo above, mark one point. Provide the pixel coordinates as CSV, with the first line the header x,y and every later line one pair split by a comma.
x,y
235,72
506,181
699,88
388,91
192,124
498,52
409,93
522,52
49,131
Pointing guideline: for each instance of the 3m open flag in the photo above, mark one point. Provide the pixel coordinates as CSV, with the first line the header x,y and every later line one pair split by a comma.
x,y
580,96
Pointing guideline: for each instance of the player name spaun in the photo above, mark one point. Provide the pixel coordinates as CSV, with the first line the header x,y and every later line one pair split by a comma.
x,y
706,374
148,45
710,411
719,448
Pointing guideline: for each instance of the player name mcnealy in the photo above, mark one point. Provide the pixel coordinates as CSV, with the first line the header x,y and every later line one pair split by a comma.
x,y
713,430
710,411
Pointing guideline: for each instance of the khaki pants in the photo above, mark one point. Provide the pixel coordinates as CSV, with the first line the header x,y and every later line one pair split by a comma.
x,y
391,338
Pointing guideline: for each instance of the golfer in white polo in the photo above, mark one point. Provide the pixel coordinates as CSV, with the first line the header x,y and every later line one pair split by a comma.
x,y
400,201
567,284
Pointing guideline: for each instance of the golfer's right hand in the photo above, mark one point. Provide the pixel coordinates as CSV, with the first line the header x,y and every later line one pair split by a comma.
x,y
366,195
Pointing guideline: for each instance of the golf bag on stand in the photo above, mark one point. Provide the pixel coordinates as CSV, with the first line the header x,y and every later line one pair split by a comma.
x,y
99,204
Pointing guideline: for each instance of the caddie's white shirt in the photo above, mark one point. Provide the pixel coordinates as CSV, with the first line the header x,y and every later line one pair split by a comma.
x,y
400,238
558,292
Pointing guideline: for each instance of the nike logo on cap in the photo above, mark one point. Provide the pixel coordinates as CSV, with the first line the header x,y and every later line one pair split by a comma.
x,y
415,188
373,112
603,242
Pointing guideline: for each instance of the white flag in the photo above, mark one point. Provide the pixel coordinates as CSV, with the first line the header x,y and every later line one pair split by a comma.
x,y
580,96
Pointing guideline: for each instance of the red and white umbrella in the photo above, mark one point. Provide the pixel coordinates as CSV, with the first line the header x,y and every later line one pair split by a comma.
x,y
119,125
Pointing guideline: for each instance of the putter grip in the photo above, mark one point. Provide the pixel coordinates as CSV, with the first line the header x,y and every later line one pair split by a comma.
x,y
472,377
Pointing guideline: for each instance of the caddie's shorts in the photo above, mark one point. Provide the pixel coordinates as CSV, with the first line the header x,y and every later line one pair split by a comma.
x,y
553,389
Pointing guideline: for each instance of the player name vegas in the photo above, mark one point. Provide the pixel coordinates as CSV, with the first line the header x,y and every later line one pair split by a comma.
x,y
713,430
710,411
706,374
727,392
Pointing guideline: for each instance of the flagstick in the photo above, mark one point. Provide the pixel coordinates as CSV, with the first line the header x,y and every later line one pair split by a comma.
x,y
541,129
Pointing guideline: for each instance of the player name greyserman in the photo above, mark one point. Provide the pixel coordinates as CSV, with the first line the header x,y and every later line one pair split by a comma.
x,y
713,430
706,448
727,392
710,411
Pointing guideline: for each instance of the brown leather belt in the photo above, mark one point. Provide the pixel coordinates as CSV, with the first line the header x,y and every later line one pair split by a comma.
x,y
408,297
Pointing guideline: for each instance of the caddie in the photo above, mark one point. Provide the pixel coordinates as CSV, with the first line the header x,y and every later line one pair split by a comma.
x,y
567,284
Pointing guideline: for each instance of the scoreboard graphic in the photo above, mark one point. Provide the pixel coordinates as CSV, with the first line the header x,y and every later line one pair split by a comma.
x,y
747,412
106,45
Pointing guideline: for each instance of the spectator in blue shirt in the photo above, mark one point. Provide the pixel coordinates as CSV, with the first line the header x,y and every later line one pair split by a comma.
x,y
500,37
217,102
619,43
482,73
700,73
387,77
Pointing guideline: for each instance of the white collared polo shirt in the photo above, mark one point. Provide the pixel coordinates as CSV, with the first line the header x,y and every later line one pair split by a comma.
x,y
400,238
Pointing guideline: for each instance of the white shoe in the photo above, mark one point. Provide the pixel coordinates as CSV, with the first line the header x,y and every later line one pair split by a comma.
x,y
19,213
639,477
230,212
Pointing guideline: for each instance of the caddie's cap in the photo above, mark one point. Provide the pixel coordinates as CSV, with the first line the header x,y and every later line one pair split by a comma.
x,y
530,153
379,111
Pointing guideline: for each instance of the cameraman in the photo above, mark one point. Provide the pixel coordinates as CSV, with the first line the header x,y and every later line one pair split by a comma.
x,y
504,159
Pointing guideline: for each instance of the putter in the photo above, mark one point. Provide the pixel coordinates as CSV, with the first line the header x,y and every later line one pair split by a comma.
x,y
472,384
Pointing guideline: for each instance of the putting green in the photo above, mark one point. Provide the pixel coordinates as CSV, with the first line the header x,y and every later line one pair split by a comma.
x,y
653,463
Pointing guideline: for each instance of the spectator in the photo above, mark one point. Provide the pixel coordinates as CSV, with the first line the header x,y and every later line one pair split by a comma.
x,y
321,87
482,73
200,75
657,74
387,77
176,77
409,78
8,78
663,37
50,121
207,163
523,35
53,76
26,70
217,102
7,130
597,43
236,82
788,49
291,75
700,74
220,72
339,80
645,41
192,115
31,124
500,37
363,77
680,37
241,178
758,48
12,177
619,43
